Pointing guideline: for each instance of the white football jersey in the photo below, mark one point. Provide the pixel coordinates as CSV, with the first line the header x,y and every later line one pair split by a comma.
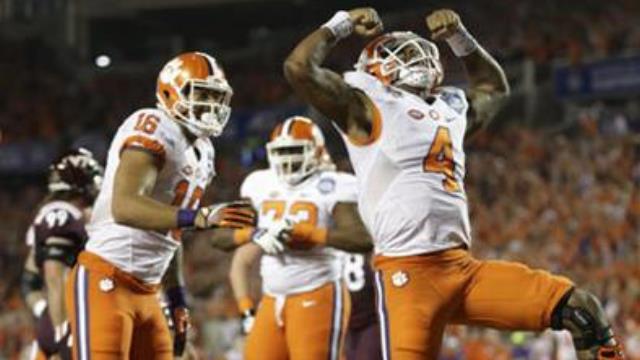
x,y
312,201
411,173
186,170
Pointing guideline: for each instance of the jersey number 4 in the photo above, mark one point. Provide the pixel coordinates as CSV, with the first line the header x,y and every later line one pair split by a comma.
x,y
440,159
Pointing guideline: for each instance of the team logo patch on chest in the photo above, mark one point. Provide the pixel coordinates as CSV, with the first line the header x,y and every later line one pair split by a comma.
x,y
434,115
326,185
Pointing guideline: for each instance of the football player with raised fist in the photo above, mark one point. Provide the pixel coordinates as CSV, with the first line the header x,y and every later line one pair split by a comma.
x,y
310,208
159,164
404,132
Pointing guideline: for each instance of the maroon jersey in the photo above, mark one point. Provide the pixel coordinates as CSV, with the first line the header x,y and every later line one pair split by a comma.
x,y
359,279
58,233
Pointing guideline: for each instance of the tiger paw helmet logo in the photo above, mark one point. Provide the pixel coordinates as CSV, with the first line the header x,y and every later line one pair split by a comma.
x,y
399,278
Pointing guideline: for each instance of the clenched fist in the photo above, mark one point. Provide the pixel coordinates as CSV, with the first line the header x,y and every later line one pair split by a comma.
x,y
366,21
443,23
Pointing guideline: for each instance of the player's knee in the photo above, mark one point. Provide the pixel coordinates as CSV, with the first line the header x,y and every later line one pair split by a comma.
x,y
580,313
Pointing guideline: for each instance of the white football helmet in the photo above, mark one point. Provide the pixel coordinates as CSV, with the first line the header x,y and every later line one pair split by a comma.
x,y
296,149
192,88
402,58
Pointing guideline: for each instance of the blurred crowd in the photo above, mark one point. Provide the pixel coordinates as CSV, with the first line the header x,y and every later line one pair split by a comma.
x,y
565,200
50,101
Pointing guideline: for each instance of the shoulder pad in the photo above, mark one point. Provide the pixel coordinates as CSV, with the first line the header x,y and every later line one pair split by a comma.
x,y
60,219
255,180
372,87
152,130
455,98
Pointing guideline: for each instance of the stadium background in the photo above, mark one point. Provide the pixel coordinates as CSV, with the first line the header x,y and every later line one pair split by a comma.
x,y
553,183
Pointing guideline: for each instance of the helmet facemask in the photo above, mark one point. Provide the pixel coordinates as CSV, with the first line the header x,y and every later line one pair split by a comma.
x,y
293,160
203,106
404,60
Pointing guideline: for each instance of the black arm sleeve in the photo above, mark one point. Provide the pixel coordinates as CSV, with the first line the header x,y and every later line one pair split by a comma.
x,y
29,282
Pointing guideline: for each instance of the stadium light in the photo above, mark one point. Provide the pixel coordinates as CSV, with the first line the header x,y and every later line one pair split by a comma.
x,y
103,61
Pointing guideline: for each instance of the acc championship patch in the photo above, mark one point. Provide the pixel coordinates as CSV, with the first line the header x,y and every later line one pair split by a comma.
x,y
326,185
455,99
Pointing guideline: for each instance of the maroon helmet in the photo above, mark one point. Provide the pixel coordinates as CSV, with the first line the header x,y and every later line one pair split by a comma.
x,y
76,172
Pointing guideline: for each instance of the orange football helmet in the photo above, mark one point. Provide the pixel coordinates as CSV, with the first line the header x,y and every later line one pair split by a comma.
x,y
193,89
296,149
402,58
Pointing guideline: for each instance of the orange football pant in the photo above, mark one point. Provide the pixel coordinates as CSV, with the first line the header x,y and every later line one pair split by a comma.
x,y
113,315
313,326
422,294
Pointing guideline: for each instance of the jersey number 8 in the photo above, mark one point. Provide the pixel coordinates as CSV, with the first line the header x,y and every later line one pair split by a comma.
x,y
353,272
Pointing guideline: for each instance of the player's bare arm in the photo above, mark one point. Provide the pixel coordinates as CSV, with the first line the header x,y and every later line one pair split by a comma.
x,y
349,233
239,276
221,239
174,276
134,182
54,274
133,206
31,284
230,239
174,286
241,264
349,108
488,83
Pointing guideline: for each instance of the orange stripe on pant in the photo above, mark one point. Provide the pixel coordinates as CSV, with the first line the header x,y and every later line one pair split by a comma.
x,y
421,294
313,327
113,315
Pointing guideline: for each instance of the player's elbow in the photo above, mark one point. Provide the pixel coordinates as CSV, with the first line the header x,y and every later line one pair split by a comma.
x,y
121,211
505,90
502,87
296,70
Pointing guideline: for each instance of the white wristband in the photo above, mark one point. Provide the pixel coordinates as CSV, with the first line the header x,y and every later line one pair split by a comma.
x,y
462,43
38,307
340,25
